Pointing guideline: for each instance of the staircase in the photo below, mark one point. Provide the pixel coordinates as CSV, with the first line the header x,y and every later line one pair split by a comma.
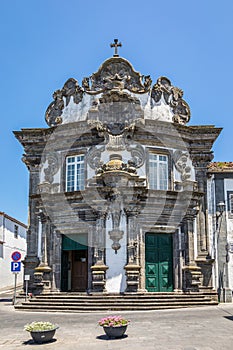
x,y
77,302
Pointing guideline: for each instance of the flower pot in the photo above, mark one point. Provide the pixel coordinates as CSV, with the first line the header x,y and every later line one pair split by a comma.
x,y
43,336
115,332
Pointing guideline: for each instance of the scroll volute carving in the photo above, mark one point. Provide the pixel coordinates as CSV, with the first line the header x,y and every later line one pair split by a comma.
x,y
181,163
53,115
172,96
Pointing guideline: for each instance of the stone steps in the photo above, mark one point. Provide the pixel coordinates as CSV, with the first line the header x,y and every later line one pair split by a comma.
x,y
66,302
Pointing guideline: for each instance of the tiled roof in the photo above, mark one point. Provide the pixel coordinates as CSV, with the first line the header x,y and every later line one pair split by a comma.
x,y
13,219
220,167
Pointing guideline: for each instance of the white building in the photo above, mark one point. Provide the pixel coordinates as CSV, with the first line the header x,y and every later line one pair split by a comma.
x,y
12,238
220,206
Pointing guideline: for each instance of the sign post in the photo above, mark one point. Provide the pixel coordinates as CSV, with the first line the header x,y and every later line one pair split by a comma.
x,y
26,279
15,268
14,297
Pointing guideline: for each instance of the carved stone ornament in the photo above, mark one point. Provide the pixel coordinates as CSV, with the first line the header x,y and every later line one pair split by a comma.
x,y
172,96
61,99
116,72
138,154
116,109
116,163
118,142
181,158
93,156
53,166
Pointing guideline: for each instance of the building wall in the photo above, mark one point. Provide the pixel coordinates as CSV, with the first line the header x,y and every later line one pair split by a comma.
x,y
9,244
228,187
220,184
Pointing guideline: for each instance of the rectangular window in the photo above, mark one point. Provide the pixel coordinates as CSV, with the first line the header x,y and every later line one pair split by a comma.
x,y
231,203
16,231
1,250
75,173
158,171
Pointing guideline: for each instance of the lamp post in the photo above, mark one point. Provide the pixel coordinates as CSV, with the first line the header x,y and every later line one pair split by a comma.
x,y
219,212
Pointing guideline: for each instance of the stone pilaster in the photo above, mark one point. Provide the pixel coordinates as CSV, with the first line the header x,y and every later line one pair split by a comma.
x,y
99,268
31,260
203,259
132,268
42,272
191,272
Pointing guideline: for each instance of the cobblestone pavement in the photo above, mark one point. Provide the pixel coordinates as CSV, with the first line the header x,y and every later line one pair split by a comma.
x,y
202,328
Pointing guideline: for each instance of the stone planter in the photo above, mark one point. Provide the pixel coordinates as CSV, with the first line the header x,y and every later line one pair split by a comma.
x,y
115,332
43,336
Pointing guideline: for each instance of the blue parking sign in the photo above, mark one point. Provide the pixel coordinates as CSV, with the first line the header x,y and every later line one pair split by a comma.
x,y
15,266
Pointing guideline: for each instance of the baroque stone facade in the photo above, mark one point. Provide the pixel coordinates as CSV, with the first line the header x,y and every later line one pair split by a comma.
x,y
118,188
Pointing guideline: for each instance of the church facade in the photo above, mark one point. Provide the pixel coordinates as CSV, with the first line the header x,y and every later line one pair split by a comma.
x,y
118,188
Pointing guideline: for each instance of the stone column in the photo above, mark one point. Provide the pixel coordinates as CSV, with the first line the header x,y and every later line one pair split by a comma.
x,y
99,268
42,272
178,247
132,267
55,258
192,273
200,163
31,259
203,260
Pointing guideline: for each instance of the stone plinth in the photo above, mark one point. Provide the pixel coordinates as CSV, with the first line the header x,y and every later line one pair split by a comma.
x,y
132,281
98,277
192,276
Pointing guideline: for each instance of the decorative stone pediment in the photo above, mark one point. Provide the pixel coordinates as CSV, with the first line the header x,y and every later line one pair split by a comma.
x,y
116,93
53,115
172,96
116,72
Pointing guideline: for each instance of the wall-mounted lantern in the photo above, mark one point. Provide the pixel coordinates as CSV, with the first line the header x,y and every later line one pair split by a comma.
x,y
219,212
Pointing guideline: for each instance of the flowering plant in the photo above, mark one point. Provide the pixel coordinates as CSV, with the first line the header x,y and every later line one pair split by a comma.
x,y
113,321
39,326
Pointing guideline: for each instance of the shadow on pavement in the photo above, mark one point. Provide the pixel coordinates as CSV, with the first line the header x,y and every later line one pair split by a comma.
x,y
105,337
32,342
229,317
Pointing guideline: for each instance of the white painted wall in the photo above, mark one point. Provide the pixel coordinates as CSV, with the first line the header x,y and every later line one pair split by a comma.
x,y
115,275
9,244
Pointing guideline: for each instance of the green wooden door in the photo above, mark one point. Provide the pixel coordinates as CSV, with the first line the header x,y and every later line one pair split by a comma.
x,y
159,262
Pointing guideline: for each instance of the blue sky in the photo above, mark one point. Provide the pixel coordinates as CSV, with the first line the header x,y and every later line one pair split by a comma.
x,y
43,43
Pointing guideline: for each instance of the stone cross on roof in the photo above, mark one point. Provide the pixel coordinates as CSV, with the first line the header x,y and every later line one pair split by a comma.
x,y
116,45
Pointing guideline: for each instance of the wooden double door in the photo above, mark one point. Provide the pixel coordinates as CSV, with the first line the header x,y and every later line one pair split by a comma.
x,y
159,262
74,270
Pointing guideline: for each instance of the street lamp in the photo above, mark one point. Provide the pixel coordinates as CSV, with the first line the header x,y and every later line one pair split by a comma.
x,y
220,211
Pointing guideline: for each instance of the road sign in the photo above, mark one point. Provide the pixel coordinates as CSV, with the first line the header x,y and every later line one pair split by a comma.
x,y
16,256
15,266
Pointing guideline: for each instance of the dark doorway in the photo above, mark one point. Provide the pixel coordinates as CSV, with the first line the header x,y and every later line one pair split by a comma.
x,y
74,264
79,271
159,267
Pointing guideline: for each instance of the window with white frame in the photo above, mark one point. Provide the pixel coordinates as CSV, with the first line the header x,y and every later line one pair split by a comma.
x,y
158,171
75,173
231,202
